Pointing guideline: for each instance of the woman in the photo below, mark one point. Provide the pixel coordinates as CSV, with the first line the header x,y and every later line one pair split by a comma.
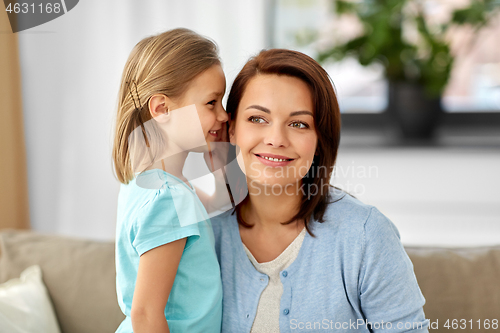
x,y
297,254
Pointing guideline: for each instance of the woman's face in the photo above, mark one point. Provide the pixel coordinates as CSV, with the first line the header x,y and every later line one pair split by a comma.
x,y
274,130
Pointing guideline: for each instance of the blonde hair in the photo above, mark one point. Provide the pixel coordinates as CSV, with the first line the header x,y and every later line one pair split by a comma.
x,y
161,64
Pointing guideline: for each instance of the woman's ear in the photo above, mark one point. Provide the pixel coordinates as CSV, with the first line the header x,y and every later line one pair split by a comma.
x,y
231,131
159,105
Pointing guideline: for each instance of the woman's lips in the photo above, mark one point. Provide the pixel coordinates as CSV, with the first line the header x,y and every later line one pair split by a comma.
x,y
274,160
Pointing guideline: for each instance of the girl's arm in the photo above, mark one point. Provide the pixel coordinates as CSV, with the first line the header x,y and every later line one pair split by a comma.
x,y
157,270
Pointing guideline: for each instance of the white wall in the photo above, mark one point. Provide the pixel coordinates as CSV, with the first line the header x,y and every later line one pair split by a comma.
x,y
436,196
71,69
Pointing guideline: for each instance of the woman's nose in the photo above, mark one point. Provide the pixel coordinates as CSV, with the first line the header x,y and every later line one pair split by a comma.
x,y
276,136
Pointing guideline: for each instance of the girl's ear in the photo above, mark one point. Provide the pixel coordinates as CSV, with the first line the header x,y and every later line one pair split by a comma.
x,y
159,105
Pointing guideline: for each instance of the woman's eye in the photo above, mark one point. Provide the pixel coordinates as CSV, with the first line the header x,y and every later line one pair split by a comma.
x,y
299,124
212,102
256,120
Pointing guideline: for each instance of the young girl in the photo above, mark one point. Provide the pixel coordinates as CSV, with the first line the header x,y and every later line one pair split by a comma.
x,y
170,103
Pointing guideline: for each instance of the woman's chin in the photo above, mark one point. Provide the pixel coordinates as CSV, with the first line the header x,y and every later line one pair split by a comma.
x,y
274,186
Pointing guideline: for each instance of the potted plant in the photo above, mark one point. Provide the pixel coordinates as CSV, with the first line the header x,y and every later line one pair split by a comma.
x,y
415,53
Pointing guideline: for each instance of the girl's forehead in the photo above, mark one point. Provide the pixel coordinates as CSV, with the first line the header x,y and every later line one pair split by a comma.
x,y
210,82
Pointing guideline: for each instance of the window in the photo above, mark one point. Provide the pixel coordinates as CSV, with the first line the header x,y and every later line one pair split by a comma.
x,y
474,86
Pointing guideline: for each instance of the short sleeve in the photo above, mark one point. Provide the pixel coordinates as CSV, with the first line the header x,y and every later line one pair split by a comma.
x,y
158,224
389,292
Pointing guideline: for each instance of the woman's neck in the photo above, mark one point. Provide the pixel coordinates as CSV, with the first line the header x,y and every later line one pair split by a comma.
x,y
268,237
269,210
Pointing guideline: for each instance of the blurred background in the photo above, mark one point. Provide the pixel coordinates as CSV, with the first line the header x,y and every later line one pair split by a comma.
x,y
418,84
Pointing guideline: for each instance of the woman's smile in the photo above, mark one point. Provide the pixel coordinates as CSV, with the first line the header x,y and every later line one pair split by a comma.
x,y
274,160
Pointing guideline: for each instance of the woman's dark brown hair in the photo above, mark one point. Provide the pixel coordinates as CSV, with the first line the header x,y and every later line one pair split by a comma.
x,y
326,121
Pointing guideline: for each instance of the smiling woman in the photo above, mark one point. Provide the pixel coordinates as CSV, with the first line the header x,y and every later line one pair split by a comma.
x,y
298,250
283,83
283,130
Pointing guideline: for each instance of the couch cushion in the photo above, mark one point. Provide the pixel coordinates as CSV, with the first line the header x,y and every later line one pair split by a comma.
x,y
79,276
25,304
459,284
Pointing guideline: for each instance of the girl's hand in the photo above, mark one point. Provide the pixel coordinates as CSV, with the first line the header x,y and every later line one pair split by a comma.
x,y
216,157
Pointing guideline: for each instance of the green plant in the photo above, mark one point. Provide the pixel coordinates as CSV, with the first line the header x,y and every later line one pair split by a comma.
x,y
427,59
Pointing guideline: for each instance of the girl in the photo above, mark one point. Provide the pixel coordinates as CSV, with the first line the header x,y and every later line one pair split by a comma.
x,y
297,254
170,103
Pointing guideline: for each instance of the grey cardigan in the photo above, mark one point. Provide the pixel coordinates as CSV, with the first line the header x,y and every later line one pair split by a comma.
x,y
353,276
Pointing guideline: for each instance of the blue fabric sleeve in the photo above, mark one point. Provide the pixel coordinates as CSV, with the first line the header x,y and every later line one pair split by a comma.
x,y
388,289
158,224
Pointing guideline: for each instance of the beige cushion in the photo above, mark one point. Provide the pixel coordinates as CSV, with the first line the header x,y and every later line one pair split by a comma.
x,y
79,275
459,284
25,305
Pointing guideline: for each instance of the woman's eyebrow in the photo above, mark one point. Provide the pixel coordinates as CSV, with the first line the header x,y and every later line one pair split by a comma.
x,y
266,110
298,113
258,107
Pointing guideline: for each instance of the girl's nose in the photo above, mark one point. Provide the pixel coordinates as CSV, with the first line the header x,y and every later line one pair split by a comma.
x,y
276,137
222,115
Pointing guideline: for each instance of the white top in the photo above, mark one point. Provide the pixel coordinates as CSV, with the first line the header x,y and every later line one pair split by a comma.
x,y
267,319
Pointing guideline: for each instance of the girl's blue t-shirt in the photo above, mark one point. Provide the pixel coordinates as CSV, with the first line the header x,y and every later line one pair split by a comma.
x,y
154,209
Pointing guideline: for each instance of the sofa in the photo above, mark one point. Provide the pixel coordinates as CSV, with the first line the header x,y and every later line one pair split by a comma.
x,y
460,285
